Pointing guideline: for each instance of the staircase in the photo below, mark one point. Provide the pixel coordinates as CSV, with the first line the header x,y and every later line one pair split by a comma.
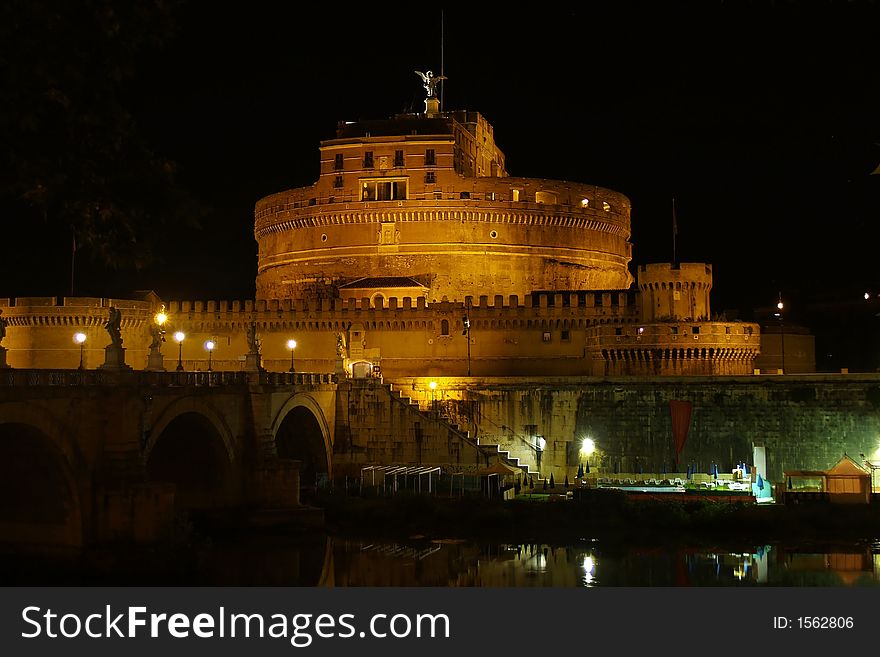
x,y
491,452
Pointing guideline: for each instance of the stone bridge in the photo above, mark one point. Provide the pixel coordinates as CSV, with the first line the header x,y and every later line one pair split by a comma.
x,y
91,456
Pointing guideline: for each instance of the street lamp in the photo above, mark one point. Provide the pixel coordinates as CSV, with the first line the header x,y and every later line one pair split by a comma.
x,y
433,386
209,345
80,339
178,337
291,344
779,307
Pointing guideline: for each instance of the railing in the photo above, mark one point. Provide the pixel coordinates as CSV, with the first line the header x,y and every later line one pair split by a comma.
x,y
64,378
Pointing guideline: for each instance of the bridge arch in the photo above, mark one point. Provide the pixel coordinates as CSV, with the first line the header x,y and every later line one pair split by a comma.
x,y
301,432
191,447
40,498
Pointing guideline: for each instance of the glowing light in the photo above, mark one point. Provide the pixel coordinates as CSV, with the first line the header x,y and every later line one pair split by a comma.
x,y
588,446
780,305
433,385
641,330
79,338
291,344
867,295
209,345
585,202
161,316
588,563
179,336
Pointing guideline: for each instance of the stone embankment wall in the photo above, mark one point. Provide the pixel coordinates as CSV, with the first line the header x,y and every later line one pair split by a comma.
x,y
802,422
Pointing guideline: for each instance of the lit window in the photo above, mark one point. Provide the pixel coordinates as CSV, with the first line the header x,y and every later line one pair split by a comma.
x,y
605,206
515,194
585,202
384,190
546,336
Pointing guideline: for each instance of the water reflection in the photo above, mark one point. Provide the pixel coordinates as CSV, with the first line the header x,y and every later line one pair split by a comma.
x,y
590,563
325,561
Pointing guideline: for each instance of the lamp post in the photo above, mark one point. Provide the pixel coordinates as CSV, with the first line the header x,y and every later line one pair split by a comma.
x,y
779,307
540,444
178,337
433,387
80,339
466,322
291,344
209,345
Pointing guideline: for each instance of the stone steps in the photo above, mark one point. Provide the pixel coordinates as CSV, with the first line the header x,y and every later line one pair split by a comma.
x,y
488,449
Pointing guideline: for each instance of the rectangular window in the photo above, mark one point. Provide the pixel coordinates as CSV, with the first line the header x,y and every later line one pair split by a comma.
x,y
430,158
490,196
337,163
566,336
398,158
546,336
674,330
429,177
337,181
384,190
465,195
438,195
368,160
618,331
727,330
695,330
514,194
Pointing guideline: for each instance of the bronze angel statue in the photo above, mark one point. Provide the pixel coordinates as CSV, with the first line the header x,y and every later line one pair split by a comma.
x,y
429,80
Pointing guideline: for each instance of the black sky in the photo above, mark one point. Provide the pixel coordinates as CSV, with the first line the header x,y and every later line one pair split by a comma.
x,y
760,119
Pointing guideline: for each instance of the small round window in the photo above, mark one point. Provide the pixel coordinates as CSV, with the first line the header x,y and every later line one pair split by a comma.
x,y
324,237
493,234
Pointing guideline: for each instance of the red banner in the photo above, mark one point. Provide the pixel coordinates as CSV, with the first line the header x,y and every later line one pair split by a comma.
x,y
681,424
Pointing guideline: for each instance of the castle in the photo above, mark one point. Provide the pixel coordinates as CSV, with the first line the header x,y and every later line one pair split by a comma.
x,y
415,254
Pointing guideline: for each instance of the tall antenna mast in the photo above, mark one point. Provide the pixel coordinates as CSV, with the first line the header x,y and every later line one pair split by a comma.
x,y
674,230
442,59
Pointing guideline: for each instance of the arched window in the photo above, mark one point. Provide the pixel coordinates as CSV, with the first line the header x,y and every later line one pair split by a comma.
x,y
444,327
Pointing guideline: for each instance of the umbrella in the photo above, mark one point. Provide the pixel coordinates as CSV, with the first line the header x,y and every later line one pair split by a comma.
x,y
545,484
760,482
531,484
789,483
664,468
689,471
616,467
587,470
715,470
566,480
552,483
580,470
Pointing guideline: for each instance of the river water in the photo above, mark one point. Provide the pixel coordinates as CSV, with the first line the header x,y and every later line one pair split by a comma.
x,y
321,560
451,562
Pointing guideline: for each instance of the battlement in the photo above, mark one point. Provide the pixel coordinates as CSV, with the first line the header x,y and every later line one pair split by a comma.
x,y
623,302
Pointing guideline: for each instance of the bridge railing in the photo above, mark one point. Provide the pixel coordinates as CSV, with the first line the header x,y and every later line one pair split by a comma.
x,y
61,378
296,378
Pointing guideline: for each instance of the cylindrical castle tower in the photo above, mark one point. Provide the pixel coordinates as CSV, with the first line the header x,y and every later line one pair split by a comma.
x,y
675,291
424,203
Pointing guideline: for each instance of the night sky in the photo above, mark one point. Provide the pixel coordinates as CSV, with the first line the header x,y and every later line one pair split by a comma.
x,y
761,120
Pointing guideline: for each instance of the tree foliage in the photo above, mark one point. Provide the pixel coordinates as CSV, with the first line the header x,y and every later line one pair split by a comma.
x,y
71,157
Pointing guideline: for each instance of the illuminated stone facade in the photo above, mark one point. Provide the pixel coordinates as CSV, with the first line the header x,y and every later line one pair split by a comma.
x,y
429,198
413,228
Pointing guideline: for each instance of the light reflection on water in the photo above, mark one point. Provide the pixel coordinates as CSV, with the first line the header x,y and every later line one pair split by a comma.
x,y
589,563
331,561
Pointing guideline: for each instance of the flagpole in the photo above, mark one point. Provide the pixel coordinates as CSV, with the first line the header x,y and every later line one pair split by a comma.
x,y
674,230
442,58
72,256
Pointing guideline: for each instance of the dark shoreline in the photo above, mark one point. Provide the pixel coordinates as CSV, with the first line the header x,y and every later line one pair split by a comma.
x,y
605,515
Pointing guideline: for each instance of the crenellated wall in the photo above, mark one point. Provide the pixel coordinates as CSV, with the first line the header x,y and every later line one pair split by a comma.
x,y
40,330
545,333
